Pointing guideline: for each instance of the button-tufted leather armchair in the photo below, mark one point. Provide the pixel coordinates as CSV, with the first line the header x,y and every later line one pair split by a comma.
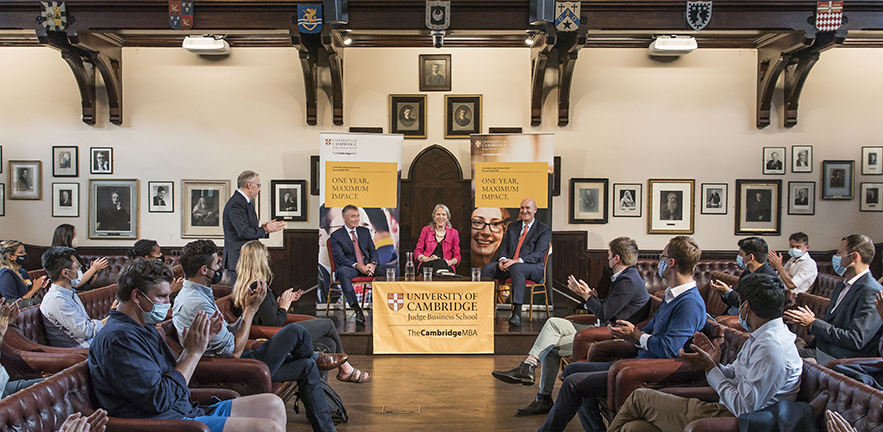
x,y
44,406
585,338
825,284
701,274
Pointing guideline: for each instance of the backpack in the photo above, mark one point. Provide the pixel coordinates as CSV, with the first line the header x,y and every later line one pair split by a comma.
x,y
335,405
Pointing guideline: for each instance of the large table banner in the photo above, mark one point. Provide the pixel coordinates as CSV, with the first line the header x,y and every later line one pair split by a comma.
x,y
433,317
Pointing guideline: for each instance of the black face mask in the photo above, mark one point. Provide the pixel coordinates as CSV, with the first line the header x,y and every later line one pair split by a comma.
x,y
216,276
21,260
161,259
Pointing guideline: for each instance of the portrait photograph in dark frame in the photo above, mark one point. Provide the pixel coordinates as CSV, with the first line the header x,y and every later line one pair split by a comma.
x,y
435,72
714,199
838,180
871,197
628,199
801,159
407,115
101,160
872,160
65,161
161,197
113,209
802,198
758,207
588,200
288,200
463,115
774,160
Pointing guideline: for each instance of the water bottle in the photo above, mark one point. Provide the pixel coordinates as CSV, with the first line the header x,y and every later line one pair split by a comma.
x,y
410,270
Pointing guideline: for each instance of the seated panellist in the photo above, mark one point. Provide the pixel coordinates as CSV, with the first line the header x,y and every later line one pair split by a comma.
x,y
627,300
752,257
135,375
681,314
767,369
64,316
851,326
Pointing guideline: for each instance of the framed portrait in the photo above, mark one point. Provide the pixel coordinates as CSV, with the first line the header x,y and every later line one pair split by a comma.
x,y
435,72
627,199
113,209
802,198
758,207
838,179
872,160
407,115
870,197
462,115
774,160
1,159
588,201
314,175
101,160
203,202
2,199
65,199
714,198
25,179
65,161
670,206
801,159
288,201
161,197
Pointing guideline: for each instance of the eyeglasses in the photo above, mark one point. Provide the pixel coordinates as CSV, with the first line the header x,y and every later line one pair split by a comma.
x,y
479,225
664,256
256,184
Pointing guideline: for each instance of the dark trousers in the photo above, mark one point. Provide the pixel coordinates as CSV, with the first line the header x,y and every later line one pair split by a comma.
x,y
289,356
584,383
325,338
15,386
519,273
346,274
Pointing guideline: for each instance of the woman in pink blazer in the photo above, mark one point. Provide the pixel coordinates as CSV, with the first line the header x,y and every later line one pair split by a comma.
x,y
439,243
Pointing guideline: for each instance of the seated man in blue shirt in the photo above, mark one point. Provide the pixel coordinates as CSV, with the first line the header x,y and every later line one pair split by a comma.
x,y
64,316
681,314
767,369
135,375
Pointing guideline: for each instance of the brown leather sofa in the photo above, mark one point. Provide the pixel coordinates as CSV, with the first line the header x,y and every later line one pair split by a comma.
x,y
823,389
702,273
825,284
43,407
587,337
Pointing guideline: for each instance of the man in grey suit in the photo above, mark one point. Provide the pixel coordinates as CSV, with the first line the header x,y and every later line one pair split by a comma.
x,y
241,223
851,326
521,255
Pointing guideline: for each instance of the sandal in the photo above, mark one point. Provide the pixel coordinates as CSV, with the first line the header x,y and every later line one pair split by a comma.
x,y
356,376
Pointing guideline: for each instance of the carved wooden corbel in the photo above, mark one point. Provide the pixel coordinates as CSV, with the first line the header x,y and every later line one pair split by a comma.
x,y
772,57
801,64
559,50
542,46
568,46
333,47
308,47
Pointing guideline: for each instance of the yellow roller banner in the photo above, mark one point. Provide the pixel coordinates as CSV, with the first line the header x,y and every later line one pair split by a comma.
x,y
369,184
505,184
433,317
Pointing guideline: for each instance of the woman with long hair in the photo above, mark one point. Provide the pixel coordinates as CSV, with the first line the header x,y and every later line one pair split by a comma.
x,y
14,280
66,236
253,265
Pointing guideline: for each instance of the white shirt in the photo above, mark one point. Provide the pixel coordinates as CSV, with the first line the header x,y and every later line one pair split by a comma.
x,y
847,287
766,371
247,199
803,272
670,295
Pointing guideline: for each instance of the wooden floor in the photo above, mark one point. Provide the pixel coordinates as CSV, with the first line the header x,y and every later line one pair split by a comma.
x,y
433,393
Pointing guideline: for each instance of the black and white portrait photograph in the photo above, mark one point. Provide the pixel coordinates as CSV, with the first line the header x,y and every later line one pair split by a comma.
x,y
407,115
801,159
65,199
758,207
25,179
462,115
202,206
588,201
101,160
627,199
65,161
161,197
774,160
288,200
838,179
670,206
435,72
714,198
870,197
802,198
2,199
113,209
872,160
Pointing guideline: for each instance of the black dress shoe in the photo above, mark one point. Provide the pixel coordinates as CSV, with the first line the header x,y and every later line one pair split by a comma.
x,y
360,317
523,374
541,405
515,320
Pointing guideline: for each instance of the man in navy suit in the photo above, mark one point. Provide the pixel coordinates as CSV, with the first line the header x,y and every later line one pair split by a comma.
x,y
354,261
241,223
521,255
851,326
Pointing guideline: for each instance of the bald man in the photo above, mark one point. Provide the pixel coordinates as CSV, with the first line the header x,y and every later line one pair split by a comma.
x,y
521,255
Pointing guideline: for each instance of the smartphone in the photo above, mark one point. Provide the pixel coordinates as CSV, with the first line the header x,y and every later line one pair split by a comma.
x,y
253,286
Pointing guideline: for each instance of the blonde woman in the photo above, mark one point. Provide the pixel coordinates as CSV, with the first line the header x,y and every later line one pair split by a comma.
x,y
439,243
14,280
253,265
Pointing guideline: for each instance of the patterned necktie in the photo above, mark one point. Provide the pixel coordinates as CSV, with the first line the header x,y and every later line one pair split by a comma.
x,y
359,258
520,241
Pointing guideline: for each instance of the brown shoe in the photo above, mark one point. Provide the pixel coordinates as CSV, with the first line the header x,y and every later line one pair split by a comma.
x,y
330,361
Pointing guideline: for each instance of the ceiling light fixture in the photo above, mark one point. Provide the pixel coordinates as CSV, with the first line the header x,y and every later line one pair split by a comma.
x,y
672,45
207,45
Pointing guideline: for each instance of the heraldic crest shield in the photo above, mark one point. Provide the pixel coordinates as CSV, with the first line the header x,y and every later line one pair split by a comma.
x,y
698,14
395,301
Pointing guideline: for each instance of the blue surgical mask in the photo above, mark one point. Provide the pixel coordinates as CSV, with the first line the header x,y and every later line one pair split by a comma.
x,y
661,268
838,267
157,314
795,253
743,321
739,261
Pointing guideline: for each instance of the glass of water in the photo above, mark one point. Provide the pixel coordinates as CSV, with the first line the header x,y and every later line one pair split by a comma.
x,y
427,273
390,273
476,273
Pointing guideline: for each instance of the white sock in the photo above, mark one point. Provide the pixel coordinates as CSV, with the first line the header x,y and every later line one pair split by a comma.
x,y
531,361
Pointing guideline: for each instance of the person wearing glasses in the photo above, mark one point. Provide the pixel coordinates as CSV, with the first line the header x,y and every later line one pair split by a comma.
x,y
488,224
241,223
439,243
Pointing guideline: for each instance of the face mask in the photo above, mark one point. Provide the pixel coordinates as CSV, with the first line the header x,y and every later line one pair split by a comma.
x,y
75,242
661,268
161,259
838,267
795,253
216,276
743,321
21,260
740,262
157,313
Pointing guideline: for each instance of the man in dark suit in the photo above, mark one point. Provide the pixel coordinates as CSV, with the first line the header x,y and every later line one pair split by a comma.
x,y
354,261
160,198
752,256
851,326
521,255
241,223
774,164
